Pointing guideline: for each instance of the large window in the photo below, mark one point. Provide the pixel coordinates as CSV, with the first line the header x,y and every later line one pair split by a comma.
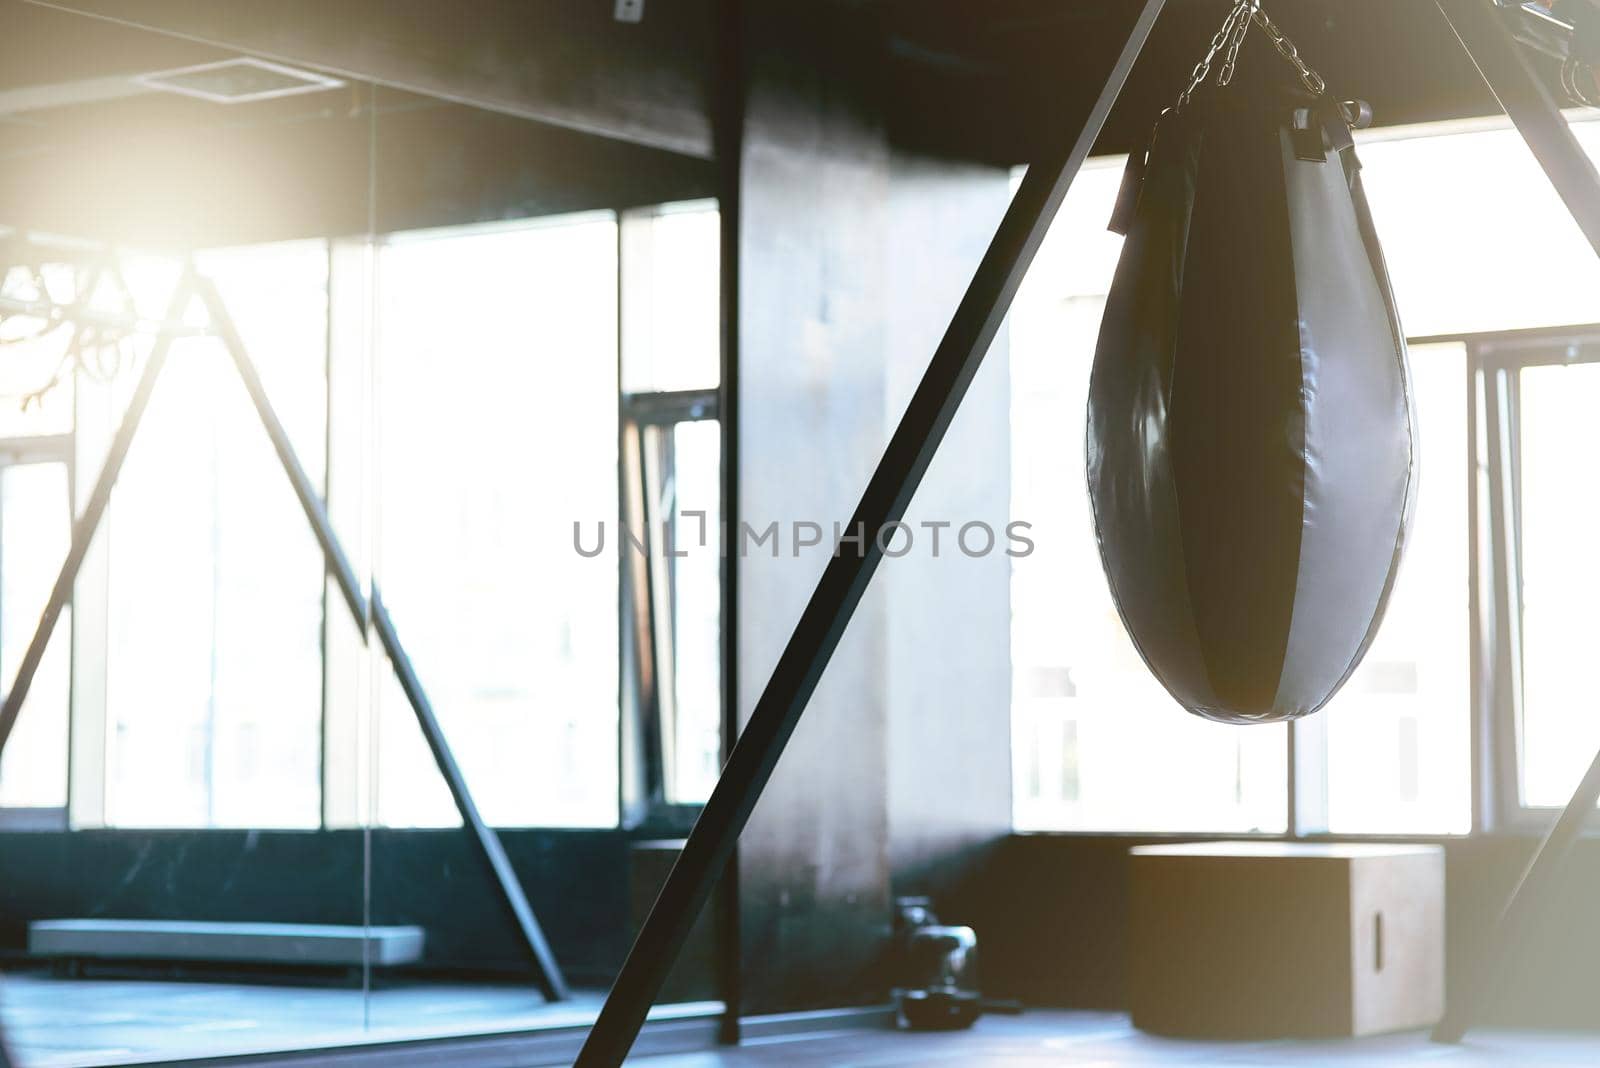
x,y
1558,438
213,595
1099,745
458,395
1535,401
36,463
34,520
498,429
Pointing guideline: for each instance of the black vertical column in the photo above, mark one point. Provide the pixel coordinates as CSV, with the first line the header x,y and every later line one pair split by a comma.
x,y
822,624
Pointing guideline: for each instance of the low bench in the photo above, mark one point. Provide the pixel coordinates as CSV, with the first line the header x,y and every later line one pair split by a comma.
x,y
337,945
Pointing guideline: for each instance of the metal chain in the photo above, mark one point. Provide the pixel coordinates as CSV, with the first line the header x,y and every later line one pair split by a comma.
x,y
1310,78
1231,37
1231,60
1239,13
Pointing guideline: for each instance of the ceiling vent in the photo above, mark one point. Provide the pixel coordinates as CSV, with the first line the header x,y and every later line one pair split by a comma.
x,y
238,81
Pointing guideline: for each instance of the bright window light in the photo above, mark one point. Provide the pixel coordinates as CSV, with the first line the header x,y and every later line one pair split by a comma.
x,y
1476,240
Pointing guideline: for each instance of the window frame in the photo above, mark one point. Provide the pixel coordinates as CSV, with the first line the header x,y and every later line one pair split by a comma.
x,y
649,720
647,728
1495,361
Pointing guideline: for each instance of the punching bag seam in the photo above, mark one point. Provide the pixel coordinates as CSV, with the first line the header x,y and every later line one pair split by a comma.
x,y
1236,685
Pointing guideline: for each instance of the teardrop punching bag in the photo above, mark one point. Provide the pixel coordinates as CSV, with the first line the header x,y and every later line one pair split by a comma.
x,y
1250,456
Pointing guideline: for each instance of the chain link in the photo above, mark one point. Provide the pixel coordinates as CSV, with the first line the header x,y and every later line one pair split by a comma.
x,y
1230,38
1310,78
1239,13
1231,60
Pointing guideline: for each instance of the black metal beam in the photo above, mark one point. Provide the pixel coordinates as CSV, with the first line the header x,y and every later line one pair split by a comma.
x,y
547,971
310,500
493,853
976,321
83,529
1483,30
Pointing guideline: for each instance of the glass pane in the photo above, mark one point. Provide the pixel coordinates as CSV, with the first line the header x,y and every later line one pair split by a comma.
x,y
672,254
697,611
214,676
1399,732
1098,744
193,651
1560,578
498,429
1522,263
35,530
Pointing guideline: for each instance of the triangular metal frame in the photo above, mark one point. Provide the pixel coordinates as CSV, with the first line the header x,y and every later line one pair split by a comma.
x,y
370,614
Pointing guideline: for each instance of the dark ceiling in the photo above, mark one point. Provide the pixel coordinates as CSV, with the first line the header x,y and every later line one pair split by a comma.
x,y
985,78
622,112
87,152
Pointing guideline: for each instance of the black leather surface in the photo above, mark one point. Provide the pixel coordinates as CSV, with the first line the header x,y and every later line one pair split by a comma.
x,y
1249,449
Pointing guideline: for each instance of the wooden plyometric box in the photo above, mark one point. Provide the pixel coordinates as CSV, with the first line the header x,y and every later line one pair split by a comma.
x,y
1272,939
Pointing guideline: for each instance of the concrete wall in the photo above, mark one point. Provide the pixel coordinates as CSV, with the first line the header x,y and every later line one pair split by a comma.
x,y
852,259
947,644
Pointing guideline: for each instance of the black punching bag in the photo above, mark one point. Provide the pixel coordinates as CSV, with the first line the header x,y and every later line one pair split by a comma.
x,y
1250,457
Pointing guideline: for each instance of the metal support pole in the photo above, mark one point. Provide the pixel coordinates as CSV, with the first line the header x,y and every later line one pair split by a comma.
x,y
494,854
310,500
1525,902
83,529
483,836
1482,30
976,321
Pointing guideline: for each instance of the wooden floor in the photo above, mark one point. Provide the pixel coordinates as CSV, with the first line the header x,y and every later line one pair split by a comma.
x,y
1038,1038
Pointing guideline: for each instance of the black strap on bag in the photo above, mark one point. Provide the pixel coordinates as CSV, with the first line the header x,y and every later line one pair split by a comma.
x,y
1336,118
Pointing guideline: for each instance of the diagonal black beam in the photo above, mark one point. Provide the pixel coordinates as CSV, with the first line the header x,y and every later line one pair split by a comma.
x,y
1483,30
84,527
973,327
488,844
305,491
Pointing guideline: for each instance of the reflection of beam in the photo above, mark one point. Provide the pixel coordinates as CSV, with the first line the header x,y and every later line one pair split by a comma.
x,y
1485,32
844,581
370,613
554,61
88,521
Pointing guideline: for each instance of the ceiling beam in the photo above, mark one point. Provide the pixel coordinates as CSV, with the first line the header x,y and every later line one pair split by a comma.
x,y
553,61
